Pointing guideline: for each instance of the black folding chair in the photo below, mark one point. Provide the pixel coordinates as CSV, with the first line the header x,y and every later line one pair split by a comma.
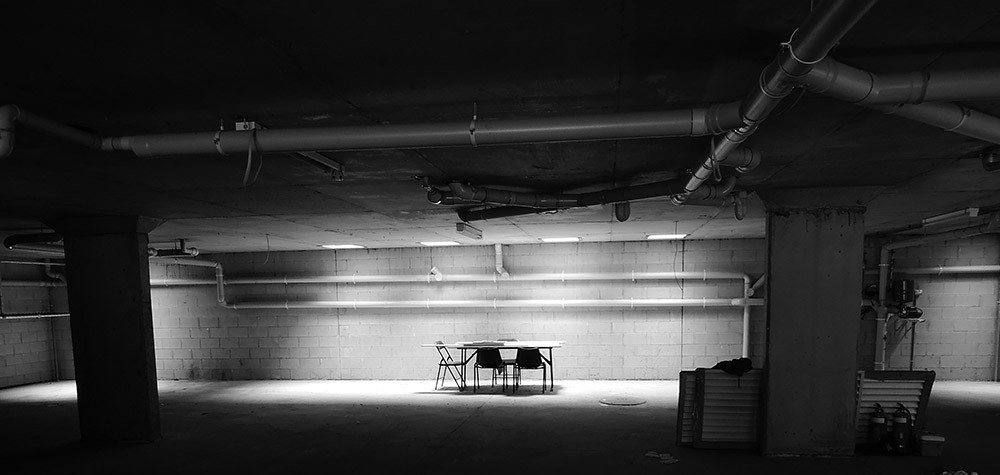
x,y
449,365
489,358
528,358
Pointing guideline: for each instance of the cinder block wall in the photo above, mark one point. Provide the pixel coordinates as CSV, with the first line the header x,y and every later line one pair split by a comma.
x,y
27,353
958,340
197,339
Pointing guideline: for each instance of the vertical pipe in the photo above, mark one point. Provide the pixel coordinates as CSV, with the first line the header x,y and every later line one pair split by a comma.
x,y
745,353
52,338
881,318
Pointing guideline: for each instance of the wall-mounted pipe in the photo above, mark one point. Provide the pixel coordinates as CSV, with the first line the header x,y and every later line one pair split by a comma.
x,y
809,44
746,302
498,256
220,283
31,316
882,316
709,120
32,283
942,270
32,263
496,303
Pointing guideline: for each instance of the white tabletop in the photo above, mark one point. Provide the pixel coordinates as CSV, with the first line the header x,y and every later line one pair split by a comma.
x,y
499,344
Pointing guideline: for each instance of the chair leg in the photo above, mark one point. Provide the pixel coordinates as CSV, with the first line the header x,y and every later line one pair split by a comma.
x,y
437,377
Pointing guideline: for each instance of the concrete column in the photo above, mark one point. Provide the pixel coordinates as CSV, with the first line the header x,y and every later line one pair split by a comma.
x,y
815,246
107,276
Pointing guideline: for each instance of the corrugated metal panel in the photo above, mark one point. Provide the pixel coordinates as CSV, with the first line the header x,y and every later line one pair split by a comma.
x,y
729,410
686,408
887,393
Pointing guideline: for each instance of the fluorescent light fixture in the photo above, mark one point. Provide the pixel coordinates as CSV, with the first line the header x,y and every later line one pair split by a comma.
x,y
561,239
342,246
439,243
468,231
665,237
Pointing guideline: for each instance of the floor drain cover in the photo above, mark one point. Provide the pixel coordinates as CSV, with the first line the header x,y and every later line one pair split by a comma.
x,y
622,401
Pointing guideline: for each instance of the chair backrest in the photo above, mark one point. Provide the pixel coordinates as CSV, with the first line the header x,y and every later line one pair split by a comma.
x,y
443,350
528,358
489,358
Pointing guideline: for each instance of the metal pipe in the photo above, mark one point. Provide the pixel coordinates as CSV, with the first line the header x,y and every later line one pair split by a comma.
x,y
758,284
31,283
220,283
578,200
556,276
33,263
882,317
745,353
866,88
685,122
498,255
483,214
29,316
564,303
910,95
949,270
10,115
950,117
809,44
13,241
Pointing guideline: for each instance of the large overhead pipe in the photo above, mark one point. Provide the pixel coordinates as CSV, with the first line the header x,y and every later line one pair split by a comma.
x,y
710,120
471,193
809,44
483,214
914,95
42,243
11,115
866,88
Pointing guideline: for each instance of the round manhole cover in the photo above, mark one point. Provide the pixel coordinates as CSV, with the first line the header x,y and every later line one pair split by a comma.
x,y
622,401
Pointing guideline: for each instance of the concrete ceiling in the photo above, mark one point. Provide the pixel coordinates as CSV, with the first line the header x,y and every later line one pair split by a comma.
x,y
159,67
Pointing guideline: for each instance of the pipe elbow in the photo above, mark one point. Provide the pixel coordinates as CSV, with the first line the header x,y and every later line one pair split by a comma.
x,y
435,196
462,191
8,116
752,161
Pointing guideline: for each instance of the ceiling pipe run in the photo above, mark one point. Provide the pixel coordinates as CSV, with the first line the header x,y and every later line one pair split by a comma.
x,y
483,214
914,95
866,88
809,44
700,121
42,243
471,193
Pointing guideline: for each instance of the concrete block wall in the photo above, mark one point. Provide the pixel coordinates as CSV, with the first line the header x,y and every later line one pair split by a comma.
x,y
197,339
958,340
27,348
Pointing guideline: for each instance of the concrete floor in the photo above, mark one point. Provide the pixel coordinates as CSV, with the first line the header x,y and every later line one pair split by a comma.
x,y
310,427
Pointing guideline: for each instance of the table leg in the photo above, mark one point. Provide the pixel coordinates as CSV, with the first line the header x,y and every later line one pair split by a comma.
x,y
552,372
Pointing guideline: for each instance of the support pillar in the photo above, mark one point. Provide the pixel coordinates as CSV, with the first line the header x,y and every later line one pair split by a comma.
x,y
107,276
815,246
